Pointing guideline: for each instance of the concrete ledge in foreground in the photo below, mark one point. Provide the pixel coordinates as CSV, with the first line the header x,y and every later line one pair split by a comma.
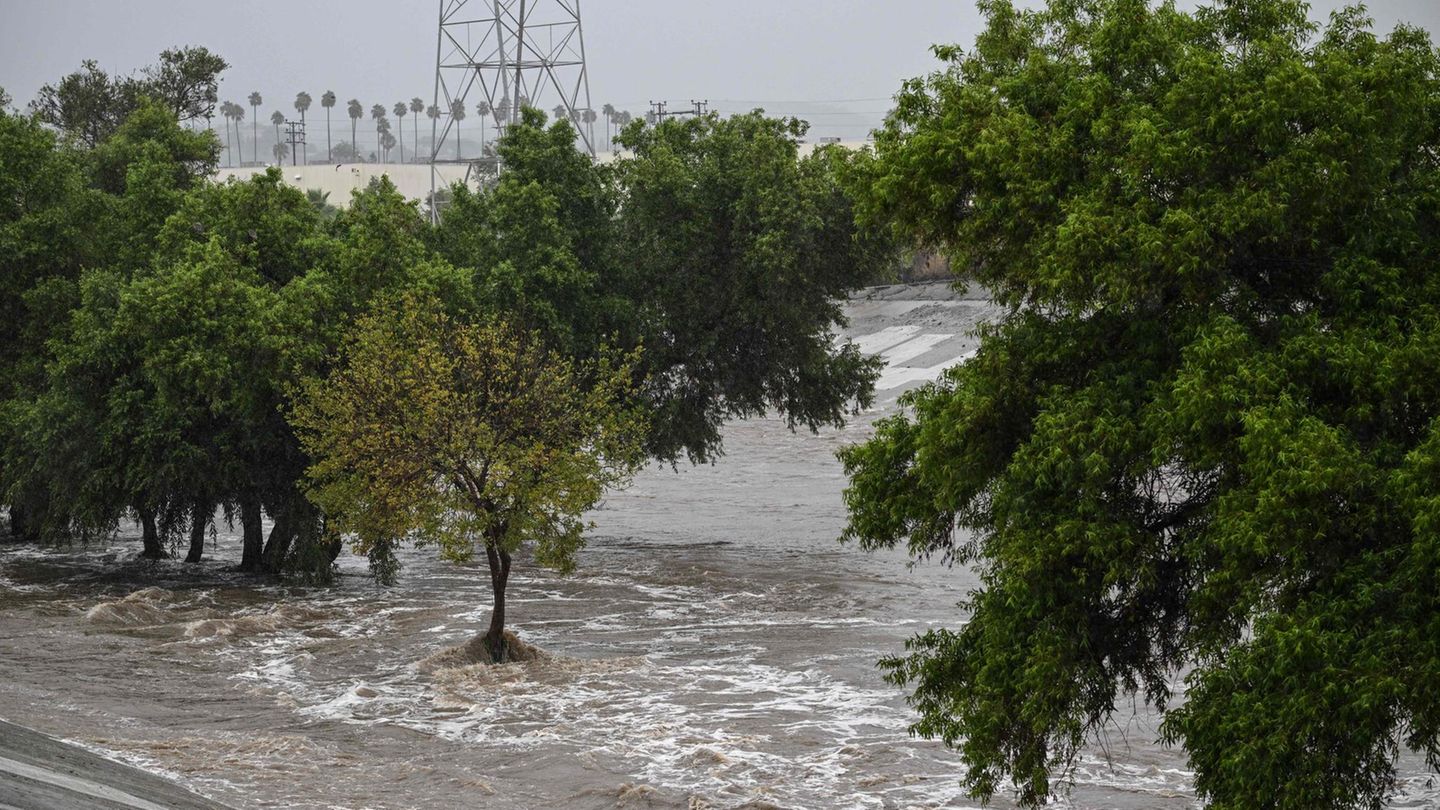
x,y
38,772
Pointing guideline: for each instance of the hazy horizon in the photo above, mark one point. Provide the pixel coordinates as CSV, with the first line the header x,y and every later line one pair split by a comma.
x,y
836,63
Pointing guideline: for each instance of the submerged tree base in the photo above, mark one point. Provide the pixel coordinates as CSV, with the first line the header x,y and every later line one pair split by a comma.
x,y
478,651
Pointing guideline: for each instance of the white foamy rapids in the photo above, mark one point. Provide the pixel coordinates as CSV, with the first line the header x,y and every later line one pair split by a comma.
x,y
147,607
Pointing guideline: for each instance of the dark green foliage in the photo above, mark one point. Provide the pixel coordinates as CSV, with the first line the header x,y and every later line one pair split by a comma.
x,y
714,247
162,323
737,255
89,105
1205,435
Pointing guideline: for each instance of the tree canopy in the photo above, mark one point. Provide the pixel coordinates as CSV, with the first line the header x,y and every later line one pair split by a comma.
x,y
162,323
1204,438
90,104
466,436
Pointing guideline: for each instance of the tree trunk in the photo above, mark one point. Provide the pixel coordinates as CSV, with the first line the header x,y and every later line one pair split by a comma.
x,y
153,549
254,548
199,522
19,524
277,546
499,560
333,542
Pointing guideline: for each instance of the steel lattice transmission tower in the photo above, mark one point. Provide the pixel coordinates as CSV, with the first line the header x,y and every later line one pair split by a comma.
x,y
498,51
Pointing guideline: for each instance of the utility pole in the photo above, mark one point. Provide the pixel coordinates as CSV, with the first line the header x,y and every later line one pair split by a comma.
x,y
295,136
659,109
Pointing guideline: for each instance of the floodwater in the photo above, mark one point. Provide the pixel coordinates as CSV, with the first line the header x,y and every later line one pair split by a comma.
x,y
715,649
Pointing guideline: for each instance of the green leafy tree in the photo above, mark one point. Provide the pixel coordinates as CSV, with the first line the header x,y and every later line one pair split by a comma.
x,y
747,251
47,214
90,104
468,437
151,134
345,152
184,82
86,440
716,248
328,102
1204,438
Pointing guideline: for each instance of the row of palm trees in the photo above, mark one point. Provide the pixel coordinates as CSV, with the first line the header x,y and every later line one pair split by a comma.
x,y
385,137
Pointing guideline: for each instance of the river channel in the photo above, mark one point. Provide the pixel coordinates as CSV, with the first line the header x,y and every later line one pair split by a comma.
x,y
716,648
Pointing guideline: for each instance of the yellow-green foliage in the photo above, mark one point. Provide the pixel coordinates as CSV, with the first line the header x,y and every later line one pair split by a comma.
x,y
465,435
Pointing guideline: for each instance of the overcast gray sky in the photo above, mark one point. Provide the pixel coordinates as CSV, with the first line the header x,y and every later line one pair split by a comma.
x,y
836,62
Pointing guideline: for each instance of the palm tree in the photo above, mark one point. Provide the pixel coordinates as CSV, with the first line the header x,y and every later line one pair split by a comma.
x,y
433,113
377,113
588,118
400,109
229,149
387,142
609,112
356,113
327,101
483,109
255,102
560,110
277,118
239,114
279,150
417,106
302,103
502,111
457,111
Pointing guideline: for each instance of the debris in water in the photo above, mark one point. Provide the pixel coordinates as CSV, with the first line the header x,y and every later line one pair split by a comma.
x,y
475,651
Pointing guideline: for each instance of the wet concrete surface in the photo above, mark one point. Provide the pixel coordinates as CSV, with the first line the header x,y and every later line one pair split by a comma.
x,y
39,772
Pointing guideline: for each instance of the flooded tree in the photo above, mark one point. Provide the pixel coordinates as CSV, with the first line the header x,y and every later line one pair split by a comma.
x,y
1204,440
162,320
468,437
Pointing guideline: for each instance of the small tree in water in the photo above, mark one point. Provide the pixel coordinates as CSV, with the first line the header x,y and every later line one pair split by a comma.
x,y
466,437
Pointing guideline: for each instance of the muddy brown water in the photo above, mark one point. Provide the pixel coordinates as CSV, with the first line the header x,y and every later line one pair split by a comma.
x,y
715,649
